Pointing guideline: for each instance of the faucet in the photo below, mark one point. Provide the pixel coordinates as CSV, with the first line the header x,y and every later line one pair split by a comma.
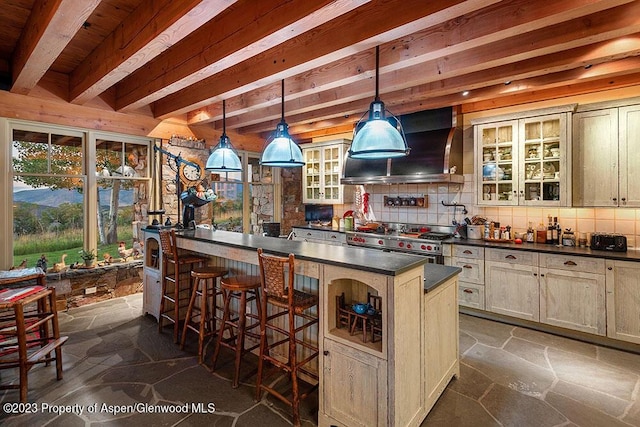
x,y
291,235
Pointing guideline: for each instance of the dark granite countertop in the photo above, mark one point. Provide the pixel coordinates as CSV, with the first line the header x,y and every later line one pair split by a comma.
x,y
371,260
435,275
630,255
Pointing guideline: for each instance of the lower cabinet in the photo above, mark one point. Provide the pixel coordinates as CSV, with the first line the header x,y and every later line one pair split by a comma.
x,y
320,236
355,385
623,300
572,295
511,283
471,295
471,278
152,292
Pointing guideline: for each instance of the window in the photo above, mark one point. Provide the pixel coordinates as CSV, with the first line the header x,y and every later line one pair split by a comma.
x,y
74,190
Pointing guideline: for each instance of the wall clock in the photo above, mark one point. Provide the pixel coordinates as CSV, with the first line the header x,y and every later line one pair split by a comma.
x,y
189,173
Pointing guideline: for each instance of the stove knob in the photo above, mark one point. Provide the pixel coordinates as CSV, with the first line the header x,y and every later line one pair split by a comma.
x,y
429,248
409,246
401,244
423,247
381,242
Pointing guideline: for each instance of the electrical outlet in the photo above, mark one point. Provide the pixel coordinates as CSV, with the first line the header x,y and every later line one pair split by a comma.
x,y
91,290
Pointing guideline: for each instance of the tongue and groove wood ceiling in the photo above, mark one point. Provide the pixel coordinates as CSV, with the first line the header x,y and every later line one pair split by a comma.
x,y
181,58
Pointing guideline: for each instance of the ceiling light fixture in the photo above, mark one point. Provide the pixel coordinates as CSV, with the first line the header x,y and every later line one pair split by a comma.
x,y
377,138
282,151
465,93
223,158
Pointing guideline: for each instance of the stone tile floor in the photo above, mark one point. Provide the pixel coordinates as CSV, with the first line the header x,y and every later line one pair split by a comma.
x,y
510,376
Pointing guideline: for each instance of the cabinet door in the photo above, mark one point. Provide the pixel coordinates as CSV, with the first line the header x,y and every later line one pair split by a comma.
x,y
629,193
354,386
512,290
542,174
472,269
152,291
312,183
573,300
623,300
331,171
595,158
497,156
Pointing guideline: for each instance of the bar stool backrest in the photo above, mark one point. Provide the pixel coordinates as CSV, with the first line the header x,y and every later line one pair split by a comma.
x,y
168,242
273,273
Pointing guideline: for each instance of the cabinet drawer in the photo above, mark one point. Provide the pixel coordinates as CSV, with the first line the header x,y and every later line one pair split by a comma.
x,y
468,252
512,256
472,269
471,295
335,237
572,263
305,233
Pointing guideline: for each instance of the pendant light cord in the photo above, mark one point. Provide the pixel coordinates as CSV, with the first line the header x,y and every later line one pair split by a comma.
x,y
224,117
377,68
282,98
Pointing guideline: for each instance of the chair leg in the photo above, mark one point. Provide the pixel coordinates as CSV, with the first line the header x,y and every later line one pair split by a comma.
x,y
223,325
163,291
176,305
242,320
263,346
192,301
293,363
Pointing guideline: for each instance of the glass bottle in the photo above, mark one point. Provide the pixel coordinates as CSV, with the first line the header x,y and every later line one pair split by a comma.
x,y
530,234
550,228
555,232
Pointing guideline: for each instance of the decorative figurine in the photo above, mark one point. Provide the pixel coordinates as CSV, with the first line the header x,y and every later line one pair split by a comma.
x,y
42,263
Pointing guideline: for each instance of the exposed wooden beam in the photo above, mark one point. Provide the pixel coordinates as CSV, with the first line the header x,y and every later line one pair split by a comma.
x,y
50,27
150,30
365,27
348,77
235,35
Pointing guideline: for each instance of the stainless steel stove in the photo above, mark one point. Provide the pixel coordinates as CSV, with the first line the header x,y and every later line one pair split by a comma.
x,y
421,240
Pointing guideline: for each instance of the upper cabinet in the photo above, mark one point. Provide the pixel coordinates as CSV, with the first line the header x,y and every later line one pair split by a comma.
x,y
606,160
322,171
524,160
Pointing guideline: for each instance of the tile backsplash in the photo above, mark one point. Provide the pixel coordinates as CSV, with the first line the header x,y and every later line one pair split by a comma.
x,y
614,220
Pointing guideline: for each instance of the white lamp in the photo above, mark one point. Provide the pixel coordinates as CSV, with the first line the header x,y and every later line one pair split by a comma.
x,y
223,158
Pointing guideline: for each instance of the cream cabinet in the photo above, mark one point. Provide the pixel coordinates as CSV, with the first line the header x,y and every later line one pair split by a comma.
x,y
511,283
322,172
524,160
572,292
606,159
151,285
471,278
623,300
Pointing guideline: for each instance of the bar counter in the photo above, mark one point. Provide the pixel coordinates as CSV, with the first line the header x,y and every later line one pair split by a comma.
x,y
392,380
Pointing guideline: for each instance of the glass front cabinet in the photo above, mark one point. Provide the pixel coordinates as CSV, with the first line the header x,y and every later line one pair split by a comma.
x,y
322,171
524,161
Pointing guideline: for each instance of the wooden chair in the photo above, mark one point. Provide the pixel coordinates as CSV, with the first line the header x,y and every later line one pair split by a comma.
x,y
278,291
375,320
176,294
29,330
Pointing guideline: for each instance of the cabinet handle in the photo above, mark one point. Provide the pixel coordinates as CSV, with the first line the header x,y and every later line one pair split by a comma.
x,y
615,199
609,268
467,291
333,237
570,263
466,266
510,257
326,352
535,274
466,251
624,200
308,234
542,275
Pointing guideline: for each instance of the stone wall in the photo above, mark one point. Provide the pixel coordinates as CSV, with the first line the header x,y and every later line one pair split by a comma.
x,y
292,207
110,281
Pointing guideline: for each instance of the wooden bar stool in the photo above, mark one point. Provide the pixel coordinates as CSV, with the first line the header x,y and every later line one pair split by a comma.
x,y
202,318
245,289
278,291
174,295
29,330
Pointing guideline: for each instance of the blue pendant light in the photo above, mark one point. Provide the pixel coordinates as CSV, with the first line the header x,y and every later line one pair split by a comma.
x,y
282,151
378,138
223,158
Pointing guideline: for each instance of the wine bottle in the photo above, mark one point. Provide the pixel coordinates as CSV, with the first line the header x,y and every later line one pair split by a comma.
x,y
550,229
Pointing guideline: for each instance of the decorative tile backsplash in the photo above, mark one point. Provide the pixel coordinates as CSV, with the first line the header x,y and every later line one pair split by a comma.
x,y
614,220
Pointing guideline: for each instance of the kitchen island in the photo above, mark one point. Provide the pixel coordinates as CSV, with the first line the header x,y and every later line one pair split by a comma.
x,y
391,379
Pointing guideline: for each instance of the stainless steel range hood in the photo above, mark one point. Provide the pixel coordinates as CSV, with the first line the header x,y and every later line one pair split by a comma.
x,y
435,140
